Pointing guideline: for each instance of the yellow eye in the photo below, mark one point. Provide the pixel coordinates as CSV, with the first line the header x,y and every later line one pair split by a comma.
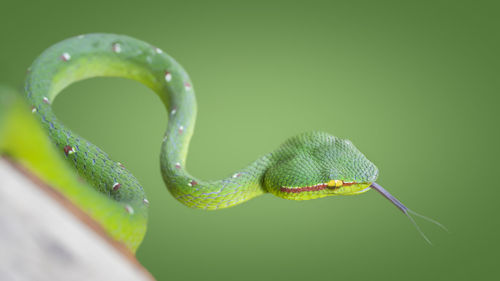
x,y
335,183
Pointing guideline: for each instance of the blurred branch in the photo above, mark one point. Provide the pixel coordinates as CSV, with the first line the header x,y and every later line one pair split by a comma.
x,y
43,236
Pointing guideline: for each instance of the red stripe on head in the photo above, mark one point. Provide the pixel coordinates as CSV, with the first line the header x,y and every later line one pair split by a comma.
x,y
304,189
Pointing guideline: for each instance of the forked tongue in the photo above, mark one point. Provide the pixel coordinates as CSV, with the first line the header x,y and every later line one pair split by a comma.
x,y
405,210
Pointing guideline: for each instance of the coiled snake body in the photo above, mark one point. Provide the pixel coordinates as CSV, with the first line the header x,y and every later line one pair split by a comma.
x,y
308,166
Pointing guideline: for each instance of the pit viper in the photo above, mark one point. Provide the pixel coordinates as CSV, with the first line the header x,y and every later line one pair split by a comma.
x,y
308,166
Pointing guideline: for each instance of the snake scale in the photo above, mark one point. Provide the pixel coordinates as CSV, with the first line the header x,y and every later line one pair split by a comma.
x,y
308,166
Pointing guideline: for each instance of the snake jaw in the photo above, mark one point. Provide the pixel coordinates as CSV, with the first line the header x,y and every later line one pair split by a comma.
x,y
331,188
351,188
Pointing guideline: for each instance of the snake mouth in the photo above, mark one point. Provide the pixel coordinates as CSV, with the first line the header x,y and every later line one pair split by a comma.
x,y
338,187
316,187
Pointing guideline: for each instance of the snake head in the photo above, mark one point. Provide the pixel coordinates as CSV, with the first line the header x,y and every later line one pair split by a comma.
x,y
315,165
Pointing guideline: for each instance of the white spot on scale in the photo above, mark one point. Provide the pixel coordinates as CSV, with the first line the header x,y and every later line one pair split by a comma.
x,y
187,86
189,184
178,165
181,129
117,48
158,50
80,36
165,139
236,175
69,150
173,111
129,209
146,201
168,76
65,57
46,100
33,109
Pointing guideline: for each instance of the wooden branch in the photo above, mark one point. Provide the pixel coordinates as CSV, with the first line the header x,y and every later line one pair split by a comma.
x,y
43,236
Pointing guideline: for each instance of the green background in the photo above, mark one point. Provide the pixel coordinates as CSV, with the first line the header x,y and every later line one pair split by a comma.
x,y
414,84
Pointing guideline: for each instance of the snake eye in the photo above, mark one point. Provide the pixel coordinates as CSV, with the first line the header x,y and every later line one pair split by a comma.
x,y
335,183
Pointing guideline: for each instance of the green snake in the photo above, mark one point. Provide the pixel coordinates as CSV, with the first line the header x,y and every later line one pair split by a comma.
x,y
308,166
